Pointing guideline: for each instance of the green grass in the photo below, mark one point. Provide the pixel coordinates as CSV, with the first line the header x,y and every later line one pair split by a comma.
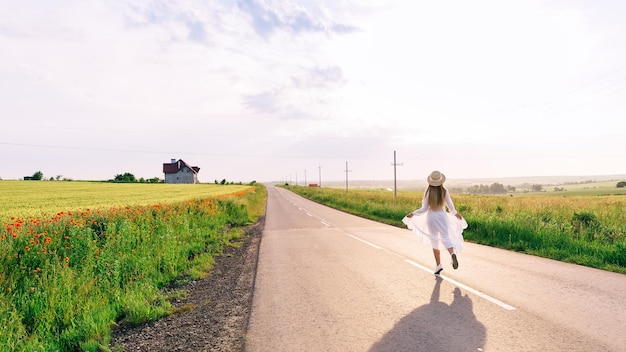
x,y
587,229
69,276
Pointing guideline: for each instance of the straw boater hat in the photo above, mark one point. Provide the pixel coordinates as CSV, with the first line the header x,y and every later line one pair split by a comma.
x,y
436,178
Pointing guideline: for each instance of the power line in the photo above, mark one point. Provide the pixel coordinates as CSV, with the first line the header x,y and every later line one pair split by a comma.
x,y
109,149
596,80
246,154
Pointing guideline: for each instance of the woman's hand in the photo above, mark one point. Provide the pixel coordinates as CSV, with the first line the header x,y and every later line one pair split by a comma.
x,y
458,216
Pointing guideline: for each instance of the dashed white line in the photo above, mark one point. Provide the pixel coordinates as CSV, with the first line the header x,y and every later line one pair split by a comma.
x,y
417,265
364,241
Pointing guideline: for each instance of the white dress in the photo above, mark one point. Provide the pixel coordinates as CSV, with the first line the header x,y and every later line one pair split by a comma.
x,y
439,228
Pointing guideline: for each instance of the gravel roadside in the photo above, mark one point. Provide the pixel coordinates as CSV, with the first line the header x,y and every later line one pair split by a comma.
x,y
220,307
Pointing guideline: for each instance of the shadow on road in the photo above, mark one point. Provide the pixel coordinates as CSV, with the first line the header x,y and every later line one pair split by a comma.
x,y
436,326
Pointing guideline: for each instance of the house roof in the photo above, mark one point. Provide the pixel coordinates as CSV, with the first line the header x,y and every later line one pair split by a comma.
x,y
172,168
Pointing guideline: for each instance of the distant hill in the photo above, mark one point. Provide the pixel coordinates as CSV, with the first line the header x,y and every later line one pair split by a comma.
x,y
468,182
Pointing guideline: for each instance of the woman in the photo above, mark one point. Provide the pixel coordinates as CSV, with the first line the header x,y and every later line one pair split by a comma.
x,y
434,225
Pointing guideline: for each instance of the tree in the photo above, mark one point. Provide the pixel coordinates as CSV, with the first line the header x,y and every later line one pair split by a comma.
x,y
38,176
497,188
126,177
621,184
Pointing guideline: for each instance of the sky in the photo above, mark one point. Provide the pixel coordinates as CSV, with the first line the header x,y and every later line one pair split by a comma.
x,y
312,91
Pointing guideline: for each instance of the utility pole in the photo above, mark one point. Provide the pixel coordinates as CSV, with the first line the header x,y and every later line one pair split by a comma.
x,y
347,176
320,167
394,174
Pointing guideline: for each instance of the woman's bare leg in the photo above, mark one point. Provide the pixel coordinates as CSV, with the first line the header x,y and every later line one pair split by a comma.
x,y
437,254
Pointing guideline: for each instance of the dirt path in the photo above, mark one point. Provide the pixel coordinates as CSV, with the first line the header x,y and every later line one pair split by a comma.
x,y
221,307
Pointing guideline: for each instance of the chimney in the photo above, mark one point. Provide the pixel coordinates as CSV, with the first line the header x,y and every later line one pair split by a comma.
x,y
173,161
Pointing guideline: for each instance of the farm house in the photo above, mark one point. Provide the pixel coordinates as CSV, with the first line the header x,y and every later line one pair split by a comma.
x,y
180,172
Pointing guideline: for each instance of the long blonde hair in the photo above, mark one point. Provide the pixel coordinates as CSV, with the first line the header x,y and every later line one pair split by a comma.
x,y
436,197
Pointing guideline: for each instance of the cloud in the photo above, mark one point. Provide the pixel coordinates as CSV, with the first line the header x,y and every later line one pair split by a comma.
x,y
264,102
272,16
197,33
305,95
264,20
320,77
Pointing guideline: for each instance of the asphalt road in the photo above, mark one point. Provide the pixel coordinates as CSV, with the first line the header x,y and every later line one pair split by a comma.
x,y
329,281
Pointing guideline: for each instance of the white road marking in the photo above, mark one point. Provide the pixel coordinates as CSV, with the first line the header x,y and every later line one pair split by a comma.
x,y
465,287
325,223
418,265
364,241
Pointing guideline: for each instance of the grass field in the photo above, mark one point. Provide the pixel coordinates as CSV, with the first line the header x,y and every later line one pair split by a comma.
x,y
591,189
33,198
583,226
77,257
